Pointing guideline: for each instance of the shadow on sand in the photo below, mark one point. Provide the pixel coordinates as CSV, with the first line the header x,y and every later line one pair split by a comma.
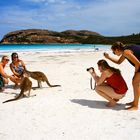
x,y
98,104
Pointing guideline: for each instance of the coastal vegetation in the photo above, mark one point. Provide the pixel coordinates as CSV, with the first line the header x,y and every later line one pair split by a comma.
x,y
38,36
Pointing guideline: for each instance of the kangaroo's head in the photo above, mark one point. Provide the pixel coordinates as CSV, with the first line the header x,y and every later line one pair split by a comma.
x,y
26,73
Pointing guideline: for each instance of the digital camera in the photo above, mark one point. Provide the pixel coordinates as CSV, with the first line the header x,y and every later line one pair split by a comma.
x,y
90,68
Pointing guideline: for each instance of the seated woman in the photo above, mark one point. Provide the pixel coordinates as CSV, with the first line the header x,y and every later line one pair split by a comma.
x,y
110,84
17,66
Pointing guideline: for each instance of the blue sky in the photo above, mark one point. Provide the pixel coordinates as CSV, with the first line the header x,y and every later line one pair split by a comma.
x,y
107,17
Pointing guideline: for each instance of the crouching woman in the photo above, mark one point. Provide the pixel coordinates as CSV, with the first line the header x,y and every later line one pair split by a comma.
x,y
110,84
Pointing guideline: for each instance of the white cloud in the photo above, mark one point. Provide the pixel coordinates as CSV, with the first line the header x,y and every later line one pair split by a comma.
x,y
47,1
111,17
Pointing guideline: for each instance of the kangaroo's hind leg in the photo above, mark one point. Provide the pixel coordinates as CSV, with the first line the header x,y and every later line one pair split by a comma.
x,y
29,90
39,84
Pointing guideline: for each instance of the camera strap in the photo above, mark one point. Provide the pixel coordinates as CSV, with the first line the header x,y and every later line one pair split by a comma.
x,y
91,84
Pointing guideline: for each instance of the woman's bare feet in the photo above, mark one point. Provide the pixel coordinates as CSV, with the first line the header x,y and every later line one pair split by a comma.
x,y
111,104
131,108
130,103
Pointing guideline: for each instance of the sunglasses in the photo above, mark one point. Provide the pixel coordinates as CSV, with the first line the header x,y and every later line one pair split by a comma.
x,y
15,56
6,59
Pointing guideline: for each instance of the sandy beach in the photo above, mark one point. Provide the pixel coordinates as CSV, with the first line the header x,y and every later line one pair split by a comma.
x,y
72,111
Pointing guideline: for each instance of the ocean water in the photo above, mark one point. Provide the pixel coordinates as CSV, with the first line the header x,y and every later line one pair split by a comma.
x,y
53,48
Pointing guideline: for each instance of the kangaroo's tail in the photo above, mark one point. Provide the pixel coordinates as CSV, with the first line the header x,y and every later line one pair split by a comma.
x,y
48,83
18,97
55,86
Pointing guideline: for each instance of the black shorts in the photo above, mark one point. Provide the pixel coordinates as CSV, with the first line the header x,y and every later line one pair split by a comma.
x,y
1,82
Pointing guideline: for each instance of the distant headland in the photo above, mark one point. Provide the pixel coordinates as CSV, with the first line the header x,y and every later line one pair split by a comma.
x,y
39,36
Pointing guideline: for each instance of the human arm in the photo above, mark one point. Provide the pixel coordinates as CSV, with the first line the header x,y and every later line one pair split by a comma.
x,y
117,61
3,73
99,80
13,70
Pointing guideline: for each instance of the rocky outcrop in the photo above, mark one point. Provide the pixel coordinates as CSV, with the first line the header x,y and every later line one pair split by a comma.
x,y
38,36
79,33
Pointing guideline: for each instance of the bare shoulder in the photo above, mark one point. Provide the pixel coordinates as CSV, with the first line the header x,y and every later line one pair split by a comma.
x,y
108,72
19,60
11,64
127,52
1,66
105,73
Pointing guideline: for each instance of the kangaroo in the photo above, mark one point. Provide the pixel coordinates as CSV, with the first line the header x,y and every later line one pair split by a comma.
x,y
25,85
40,77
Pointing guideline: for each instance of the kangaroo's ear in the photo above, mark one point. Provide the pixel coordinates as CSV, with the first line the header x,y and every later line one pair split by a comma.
x,y
25,70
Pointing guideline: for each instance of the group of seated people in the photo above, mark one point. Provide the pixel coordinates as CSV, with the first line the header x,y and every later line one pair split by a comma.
x,y
17,67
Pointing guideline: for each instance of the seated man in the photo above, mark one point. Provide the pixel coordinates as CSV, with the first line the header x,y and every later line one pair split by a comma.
x,y
3,76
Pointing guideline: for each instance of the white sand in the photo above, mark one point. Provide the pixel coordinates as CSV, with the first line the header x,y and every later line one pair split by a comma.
x,y
70,112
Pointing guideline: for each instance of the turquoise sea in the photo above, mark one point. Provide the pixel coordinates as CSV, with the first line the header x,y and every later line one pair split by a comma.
x,y
53,47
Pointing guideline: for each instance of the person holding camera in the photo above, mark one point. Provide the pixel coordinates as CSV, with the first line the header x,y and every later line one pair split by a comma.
x,y
110,84
132,54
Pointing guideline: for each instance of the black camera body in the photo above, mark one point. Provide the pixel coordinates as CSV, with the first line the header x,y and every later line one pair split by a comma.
x,y
90,68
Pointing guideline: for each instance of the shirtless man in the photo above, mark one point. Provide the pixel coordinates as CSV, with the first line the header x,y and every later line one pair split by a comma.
x,y
3,76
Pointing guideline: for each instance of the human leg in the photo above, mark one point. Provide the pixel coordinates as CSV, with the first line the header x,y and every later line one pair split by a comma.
x,y
136,89
6,81
3,83
108,93
15,80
